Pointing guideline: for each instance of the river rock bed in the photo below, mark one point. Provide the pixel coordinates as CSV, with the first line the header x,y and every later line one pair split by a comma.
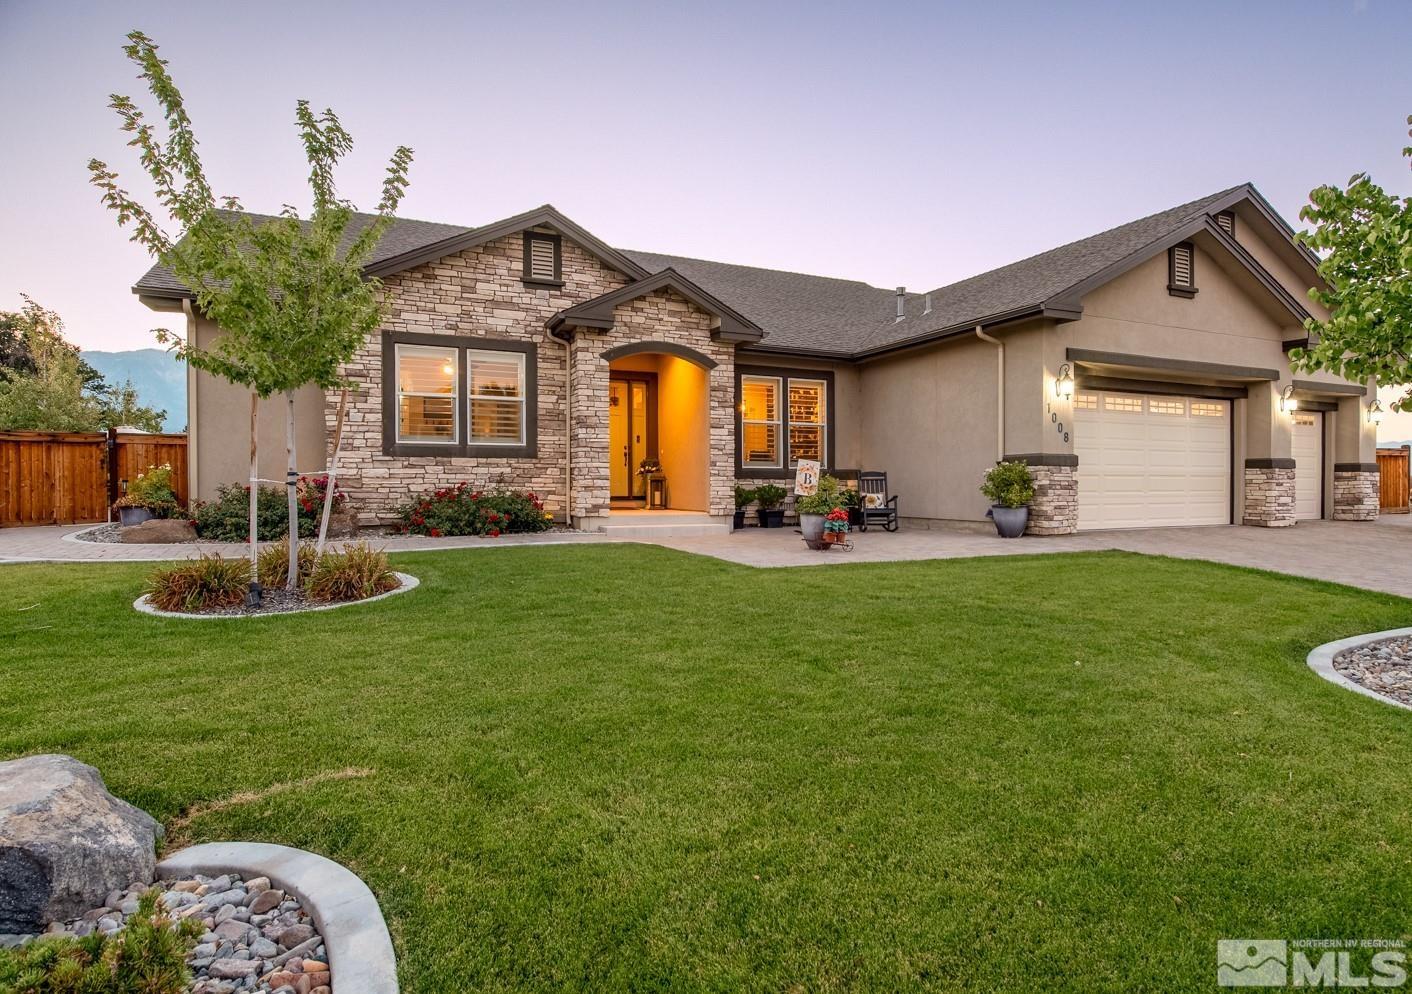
x,y
257,938
1383,667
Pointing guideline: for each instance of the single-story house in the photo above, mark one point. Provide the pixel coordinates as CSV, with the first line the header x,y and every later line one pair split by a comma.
x,y
1141,372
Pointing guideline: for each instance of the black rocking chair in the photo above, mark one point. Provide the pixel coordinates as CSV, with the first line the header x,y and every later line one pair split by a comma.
x,y
884,509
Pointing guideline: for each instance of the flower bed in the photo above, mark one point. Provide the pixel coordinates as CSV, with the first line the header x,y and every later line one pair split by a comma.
x,y
227,518
459,510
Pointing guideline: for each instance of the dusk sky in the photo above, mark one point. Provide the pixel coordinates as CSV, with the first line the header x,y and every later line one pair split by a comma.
x,y
898,144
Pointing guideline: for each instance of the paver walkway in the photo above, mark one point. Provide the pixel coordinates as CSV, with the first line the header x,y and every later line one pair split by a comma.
x,y
1375,556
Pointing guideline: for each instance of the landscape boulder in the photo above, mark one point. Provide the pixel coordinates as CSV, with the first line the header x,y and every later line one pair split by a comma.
x,y
65,842
159,531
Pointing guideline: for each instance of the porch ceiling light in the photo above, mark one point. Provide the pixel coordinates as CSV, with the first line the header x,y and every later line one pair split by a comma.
x,y
1064,385
1289,403
1375,413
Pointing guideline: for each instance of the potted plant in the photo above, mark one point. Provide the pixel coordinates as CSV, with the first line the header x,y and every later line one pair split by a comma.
x,y
814,507
770,497
851,501
743,496
151,495
1009,487
836,526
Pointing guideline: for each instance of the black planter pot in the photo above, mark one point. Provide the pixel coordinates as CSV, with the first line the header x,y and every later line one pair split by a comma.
x,y
773,518
739,519
1010,521
855,517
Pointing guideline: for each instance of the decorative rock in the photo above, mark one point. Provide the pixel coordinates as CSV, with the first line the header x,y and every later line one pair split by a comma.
x,y
233,969
159,531
65,842
294,935
266,901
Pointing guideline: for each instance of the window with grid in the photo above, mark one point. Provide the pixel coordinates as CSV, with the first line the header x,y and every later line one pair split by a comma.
x,y
1118,402
496,393
760,421
426,394
1177,407
1204,409
1085,402
807,420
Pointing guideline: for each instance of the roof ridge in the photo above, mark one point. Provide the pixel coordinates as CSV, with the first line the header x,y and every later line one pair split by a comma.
x,y
761,269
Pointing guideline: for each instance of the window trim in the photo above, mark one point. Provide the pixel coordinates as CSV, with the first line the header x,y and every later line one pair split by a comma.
x,y
781,387
1187,290
822,425
522,398
784,374
526,449
527,276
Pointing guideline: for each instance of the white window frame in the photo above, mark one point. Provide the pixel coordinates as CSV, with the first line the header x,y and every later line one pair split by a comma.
x,y
518,358
780,440
822,424
445,351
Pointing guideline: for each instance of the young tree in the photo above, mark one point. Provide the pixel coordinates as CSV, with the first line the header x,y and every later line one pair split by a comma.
x,y
288,294
118,405
1365,234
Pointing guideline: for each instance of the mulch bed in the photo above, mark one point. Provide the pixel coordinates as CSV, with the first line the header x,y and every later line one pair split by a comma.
x,y
1383,667
273,600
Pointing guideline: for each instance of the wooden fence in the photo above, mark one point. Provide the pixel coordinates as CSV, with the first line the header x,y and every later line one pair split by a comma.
x,y
1393,476
64,478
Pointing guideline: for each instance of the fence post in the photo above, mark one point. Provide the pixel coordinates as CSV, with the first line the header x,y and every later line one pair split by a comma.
x,y
111,452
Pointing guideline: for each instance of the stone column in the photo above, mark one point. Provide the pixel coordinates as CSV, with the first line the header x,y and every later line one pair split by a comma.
x,y
1357,491
1055,508
1269,493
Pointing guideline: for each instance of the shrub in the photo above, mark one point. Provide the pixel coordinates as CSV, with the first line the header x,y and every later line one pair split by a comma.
x,y
770,496
823,500
743,496
274,564
147,957
356,573
227,518
459,510
154,490
1008,484
200,585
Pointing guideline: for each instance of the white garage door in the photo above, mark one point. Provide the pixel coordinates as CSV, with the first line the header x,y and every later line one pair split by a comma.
x,y
1149,460
1308,465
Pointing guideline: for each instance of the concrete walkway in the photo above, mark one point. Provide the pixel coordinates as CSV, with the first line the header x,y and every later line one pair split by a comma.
x,y
1375,556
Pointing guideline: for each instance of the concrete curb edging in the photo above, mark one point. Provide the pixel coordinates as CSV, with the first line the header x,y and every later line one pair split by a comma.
x,y
1321,661
360,956
407,583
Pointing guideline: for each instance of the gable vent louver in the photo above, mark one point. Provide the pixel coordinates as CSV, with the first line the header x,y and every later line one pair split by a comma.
x,y
1181,265
541,259
1226,221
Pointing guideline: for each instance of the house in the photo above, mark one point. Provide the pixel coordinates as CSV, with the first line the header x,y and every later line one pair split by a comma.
x,y
1141,372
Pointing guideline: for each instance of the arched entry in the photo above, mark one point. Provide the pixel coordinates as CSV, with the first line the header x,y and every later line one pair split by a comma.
x,y
659,425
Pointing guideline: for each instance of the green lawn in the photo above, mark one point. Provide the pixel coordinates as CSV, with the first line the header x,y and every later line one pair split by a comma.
x,y
625,768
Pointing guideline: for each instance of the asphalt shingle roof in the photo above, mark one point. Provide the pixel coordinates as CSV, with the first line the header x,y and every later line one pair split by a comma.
x,y
819,314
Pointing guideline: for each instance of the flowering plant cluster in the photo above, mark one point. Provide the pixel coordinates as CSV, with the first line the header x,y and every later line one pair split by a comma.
x,y
227,518
154,490
836,520
460,510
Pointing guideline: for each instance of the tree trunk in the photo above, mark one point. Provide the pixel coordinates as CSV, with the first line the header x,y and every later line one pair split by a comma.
x,y
252,597
291,479
331,477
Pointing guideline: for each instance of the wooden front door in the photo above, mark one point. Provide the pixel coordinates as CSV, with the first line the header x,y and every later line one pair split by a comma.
x,y
632,431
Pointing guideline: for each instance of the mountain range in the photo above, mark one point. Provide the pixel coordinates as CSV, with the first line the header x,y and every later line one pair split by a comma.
x,y
160,379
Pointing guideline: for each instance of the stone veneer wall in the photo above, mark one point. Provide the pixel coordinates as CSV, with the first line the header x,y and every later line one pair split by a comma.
x,y
1055,510
476,293
1269,496
1356,495
663,316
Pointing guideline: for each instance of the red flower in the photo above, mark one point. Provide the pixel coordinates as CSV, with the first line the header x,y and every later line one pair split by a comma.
x,y
435,533
494,533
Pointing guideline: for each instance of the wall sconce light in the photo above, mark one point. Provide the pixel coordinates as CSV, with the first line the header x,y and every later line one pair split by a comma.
x,y
1064,385
1375,413
1288,402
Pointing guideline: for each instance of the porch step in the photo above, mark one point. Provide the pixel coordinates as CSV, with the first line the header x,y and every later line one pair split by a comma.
x,y
661,524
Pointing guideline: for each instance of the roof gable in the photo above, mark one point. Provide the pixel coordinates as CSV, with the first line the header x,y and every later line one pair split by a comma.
x,y
731,326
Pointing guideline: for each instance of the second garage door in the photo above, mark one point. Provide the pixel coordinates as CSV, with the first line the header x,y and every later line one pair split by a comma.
x,y
1147,460
1308,431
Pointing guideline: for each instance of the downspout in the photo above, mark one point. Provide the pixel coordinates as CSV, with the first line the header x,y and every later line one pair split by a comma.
x,y
568,342
999,391
192,493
